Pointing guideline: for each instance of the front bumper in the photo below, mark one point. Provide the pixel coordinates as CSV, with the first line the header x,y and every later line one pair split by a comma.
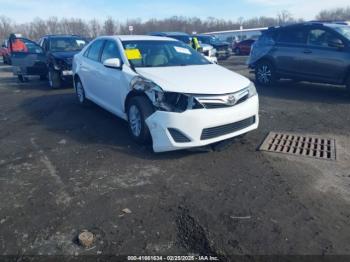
x,y
67,75
221,53
193,123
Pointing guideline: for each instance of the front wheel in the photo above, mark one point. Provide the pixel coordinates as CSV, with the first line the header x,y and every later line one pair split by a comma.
x,y
22,78
265,74
139,109
54,79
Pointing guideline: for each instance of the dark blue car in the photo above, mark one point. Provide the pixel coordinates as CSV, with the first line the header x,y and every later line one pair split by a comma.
x,y
312,51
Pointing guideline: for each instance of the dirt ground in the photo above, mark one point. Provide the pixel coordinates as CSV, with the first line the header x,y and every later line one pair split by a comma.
x,y
64,168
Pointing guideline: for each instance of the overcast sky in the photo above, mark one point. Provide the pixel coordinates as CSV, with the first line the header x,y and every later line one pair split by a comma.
x,y
26,10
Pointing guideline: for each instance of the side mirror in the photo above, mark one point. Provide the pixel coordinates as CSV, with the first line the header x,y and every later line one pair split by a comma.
x,y
336,43
115,63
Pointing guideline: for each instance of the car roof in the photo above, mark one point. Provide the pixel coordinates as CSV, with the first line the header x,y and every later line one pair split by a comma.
x,y
139,38
63,35
201,35
330,24
170,33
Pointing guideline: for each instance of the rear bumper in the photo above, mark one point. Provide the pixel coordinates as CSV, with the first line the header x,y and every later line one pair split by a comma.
x,y
203,126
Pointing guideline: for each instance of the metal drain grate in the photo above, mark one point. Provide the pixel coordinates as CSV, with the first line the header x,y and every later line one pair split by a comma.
x,y
302,145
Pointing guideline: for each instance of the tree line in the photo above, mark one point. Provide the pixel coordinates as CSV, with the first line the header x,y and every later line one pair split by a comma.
x,y
93,28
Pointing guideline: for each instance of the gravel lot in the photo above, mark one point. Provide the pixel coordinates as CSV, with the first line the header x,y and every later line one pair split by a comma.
x,y
64,168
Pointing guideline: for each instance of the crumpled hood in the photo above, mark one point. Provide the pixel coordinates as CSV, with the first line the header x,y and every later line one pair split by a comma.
x,y
198,79
66,56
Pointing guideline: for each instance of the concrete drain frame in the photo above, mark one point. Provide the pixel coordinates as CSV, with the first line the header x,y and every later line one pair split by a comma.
x,y
313,146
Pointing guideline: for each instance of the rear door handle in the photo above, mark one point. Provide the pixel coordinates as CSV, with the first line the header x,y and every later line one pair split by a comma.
x,y
307,51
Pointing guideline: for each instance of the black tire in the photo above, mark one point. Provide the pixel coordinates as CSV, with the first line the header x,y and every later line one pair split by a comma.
x,y
4,60
265,74
80,94
54,79
22,78
145,109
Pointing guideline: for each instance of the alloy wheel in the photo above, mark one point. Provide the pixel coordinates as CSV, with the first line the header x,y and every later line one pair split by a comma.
x,y
80,92
50,79
135,120
264,74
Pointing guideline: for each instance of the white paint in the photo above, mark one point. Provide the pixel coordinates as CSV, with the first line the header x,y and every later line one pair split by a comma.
x,y
109,88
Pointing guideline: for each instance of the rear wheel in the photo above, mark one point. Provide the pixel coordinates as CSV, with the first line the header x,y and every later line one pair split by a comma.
x,y
265,74
139,109
80,93
54,79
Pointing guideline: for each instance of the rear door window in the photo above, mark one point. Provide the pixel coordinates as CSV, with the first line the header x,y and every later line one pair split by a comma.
x,y
292,36
321,38
95,50
22,45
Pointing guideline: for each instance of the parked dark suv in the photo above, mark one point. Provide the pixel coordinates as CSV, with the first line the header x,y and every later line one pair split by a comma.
x,y
313,51
60,50
223,49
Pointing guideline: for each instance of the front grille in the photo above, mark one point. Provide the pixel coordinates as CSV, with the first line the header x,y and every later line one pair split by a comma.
x,y
221,105
218,131
178,136
222,48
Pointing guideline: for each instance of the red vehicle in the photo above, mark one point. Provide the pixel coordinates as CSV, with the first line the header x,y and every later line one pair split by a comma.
x,y
244,47
5,53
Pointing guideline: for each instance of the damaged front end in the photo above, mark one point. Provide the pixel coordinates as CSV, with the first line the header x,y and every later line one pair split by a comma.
x,y
164,101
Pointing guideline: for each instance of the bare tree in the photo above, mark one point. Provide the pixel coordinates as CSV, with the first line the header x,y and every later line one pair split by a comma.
x,y
53,25
334,14
37,28
5,27
109,26
95,28
284,17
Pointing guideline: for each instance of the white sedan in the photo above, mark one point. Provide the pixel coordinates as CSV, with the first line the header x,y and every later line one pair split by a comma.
x,y
169,93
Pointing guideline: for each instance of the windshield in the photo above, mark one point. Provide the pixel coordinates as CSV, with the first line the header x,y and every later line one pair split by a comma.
x,y
344,30
162,54
209,40
182,38
66,44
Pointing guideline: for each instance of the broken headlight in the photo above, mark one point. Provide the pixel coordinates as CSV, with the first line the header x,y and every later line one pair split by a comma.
x,y
165,101
176,102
